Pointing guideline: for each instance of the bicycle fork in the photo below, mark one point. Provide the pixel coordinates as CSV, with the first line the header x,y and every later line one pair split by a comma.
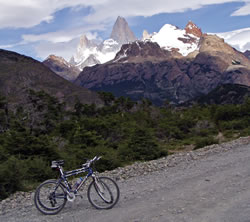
x,y
102,190
98,184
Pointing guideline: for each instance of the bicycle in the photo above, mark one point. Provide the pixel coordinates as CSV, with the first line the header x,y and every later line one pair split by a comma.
x,y
51,195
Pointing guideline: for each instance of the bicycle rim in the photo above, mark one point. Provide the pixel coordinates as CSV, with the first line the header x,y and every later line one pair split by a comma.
x,y
50,197
103,193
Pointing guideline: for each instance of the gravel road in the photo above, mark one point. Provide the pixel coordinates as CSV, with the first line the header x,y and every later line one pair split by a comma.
x,y
208,185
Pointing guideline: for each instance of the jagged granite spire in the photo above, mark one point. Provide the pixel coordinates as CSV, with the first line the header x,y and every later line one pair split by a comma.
x,y
193,29
121,32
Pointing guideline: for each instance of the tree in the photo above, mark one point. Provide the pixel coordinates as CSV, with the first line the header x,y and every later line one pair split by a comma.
x,y
141,145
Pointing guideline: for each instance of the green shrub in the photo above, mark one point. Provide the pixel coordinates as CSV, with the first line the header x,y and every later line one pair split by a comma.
x,y
142,145
205,141
37,169
12,173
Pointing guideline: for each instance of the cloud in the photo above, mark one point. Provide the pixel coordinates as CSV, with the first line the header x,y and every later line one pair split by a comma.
x,y
63,35
29,13
113,8
237,38
245,10
61,43
63,49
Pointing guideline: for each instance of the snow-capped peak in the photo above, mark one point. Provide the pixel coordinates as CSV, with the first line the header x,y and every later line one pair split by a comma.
x,y
89,53
171,37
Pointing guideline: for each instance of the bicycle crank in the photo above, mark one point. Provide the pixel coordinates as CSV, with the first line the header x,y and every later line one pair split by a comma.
x,y
71,196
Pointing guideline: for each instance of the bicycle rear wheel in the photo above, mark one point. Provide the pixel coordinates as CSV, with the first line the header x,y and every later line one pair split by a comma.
x,y
103,193
50,197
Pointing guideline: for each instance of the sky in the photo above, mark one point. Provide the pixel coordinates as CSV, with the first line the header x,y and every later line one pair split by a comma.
x,y
38,28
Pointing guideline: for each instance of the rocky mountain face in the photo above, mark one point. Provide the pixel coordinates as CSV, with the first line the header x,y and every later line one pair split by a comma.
x,y
159,73
61,67
140,51
247,54
192,29
121,32
19,74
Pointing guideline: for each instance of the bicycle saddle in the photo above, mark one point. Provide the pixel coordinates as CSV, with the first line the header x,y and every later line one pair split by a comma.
x,y
56,163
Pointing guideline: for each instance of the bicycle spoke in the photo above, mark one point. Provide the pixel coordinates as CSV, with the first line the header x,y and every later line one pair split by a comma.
x,y
103,193
50,197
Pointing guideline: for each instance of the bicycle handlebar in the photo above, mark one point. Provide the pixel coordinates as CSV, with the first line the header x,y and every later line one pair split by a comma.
x,y
57,164
89,162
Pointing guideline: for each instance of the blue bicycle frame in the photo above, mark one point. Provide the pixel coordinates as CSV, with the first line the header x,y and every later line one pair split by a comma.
x,y
65,175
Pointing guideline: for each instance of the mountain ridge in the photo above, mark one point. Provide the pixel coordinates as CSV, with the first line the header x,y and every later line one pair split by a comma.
x,y
19,74
138,73
106,50
61,67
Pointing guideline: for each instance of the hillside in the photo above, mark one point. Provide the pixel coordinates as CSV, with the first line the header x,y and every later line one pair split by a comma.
x,y
19,73
223,94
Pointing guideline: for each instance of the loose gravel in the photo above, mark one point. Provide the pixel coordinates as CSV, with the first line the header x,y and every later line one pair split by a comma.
x,y
20,206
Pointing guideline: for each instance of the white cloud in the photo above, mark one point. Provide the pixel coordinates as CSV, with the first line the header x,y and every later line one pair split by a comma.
x,y
63,49
238,38
62,43
113,8
63,35
245,10
28,13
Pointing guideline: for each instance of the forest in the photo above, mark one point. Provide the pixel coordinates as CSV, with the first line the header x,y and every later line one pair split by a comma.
x,y
122,131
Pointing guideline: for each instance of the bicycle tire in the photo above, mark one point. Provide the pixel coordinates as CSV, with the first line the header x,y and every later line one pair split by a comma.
x,y
105,198
50,197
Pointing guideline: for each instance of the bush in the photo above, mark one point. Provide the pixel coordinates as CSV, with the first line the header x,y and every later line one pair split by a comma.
x,y
38,170
141,146
206,141
227,112
12,173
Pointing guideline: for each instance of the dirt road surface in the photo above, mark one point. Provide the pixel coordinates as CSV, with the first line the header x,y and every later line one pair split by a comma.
x,y
215,188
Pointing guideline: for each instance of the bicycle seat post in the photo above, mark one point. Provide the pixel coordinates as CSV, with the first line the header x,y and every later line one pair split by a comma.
x,y
61,170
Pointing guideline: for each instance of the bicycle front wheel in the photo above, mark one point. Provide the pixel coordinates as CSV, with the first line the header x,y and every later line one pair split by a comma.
x,y
103,193
50,197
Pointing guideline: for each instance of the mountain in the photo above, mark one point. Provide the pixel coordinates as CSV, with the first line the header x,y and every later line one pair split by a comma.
x,y
121,32
141,51
192,29
90,53
61,67
174,65
247,54
19,74
181,41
